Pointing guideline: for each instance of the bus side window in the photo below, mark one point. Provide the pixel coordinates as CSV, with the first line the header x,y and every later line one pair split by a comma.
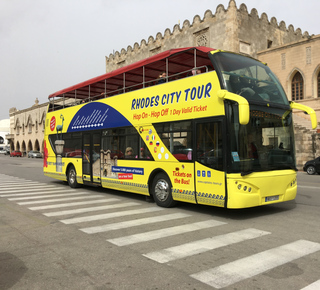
x,y
177,137
129,140
144,152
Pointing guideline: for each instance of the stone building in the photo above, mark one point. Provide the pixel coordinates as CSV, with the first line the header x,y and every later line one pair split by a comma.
x,y
297,65
230,29
27,128
234,29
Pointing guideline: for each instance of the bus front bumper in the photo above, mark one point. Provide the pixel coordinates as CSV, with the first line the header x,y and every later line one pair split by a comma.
x,y
261,188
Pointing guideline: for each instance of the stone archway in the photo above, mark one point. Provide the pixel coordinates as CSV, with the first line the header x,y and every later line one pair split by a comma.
x,y
23,148
292,74
316,82
36,145
30,147
17,146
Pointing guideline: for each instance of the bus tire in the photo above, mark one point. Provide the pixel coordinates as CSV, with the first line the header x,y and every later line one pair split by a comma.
x,y
161,191
72,177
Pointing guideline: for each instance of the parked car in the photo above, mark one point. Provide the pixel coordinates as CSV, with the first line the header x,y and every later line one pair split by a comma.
x,y
34,154
312,166
16,153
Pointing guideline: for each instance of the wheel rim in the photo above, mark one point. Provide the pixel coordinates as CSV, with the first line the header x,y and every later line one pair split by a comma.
x,y
310,170
72,176
161,190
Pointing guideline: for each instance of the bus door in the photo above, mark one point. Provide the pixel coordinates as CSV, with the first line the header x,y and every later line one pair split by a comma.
x,y
91,157
209,170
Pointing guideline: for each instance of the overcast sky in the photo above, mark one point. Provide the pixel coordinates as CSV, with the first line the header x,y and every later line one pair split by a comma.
x,y
48,45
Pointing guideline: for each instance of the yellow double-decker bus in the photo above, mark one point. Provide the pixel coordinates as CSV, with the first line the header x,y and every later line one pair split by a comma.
x,y
193,124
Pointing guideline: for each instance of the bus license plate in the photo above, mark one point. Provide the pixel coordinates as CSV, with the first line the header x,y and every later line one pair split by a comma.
x,y
272,198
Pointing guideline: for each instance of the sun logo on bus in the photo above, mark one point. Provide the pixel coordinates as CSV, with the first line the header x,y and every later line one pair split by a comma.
x,y
52,123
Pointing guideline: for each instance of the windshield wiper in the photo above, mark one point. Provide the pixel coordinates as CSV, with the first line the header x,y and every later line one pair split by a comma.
x,y
279,167
246,173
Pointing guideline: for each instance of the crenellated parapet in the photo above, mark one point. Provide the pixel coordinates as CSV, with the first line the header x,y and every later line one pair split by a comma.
x,y
230,28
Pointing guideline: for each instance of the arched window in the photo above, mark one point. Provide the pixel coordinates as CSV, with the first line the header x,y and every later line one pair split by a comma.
x,y
319,85
297,87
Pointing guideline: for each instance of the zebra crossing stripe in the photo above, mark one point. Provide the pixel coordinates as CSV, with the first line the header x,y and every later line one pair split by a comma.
x,y
28,189
8,178
89,209
133,223
73,192
201,246
60,205
53,190
109,215
305,186
58,199
313,286
14,184
162,233
230,273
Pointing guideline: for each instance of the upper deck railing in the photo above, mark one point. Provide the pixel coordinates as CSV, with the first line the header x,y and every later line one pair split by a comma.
x,y
62,102
176,64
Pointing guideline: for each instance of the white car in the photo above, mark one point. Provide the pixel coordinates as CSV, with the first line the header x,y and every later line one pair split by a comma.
x,y
34,154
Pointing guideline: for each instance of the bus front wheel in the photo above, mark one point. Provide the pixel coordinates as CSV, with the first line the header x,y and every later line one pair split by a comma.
x,y
161,191
72,177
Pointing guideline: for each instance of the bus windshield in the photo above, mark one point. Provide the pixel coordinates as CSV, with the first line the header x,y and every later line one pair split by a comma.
x,y
265,143
250,79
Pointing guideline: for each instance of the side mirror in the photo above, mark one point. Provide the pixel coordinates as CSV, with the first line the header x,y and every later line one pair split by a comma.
x,y
308,110
244,109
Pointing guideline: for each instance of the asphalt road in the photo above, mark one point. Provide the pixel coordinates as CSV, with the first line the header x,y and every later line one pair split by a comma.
x,y
54,237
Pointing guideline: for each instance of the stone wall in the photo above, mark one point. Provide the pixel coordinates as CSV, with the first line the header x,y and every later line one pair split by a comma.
x,y
230,29
304,143
316,144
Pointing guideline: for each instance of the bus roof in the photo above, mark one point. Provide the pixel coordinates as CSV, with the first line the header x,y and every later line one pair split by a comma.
x,y
142,71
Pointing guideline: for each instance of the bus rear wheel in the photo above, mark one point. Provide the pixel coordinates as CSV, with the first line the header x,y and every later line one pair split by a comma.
x,y
72,177
161,191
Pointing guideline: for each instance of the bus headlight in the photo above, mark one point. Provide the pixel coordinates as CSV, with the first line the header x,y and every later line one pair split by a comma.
x,y
245,187
293,182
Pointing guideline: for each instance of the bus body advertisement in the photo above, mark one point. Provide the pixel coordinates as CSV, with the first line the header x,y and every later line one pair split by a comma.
x,y
192,138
